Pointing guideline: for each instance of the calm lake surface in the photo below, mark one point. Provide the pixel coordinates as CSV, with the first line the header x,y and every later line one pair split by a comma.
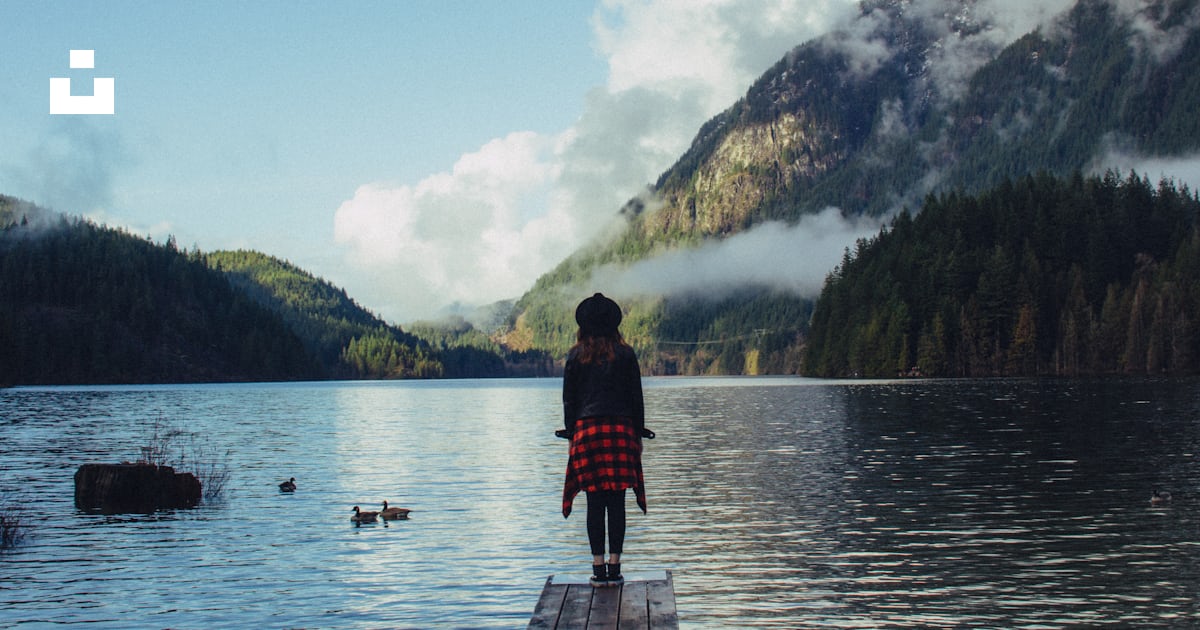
x,y
778,502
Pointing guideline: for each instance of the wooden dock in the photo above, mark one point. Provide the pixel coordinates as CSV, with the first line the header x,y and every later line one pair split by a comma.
x,y
646,600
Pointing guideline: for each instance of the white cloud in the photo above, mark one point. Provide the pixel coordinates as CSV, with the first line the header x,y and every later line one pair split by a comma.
x,y
722,44
473,234
794,258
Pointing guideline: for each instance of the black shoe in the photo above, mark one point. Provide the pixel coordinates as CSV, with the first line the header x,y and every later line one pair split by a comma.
x,y
599,575
614,574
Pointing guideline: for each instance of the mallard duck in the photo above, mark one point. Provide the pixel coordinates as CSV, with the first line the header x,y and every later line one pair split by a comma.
x,y
393,513
1158,497
288,486
363,517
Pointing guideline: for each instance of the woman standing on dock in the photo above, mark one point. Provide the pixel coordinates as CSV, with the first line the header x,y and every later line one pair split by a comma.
x,y
604,417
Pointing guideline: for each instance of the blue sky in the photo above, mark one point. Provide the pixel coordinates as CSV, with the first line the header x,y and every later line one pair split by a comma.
x,y
417,154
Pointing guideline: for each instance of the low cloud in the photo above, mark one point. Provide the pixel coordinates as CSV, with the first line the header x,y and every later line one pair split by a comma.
x,y
1146,18
1180,169
792,258
968,34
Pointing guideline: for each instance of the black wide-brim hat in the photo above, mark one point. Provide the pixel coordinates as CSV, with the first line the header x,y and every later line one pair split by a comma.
x,y
598,315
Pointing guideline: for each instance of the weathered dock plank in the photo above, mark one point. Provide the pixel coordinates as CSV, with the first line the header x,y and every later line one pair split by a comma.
x,y
660,599
606,605
635,611
549,606
645,601
576,606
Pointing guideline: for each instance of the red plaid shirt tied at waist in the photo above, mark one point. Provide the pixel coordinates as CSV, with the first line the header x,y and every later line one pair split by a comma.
x,y
606,454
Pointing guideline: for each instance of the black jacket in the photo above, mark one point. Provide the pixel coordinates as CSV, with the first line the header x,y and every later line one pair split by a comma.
x,y
603,388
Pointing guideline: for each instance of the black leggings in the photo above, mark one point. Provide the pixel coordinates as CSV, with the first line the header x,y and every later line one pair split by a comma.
x,y
612,502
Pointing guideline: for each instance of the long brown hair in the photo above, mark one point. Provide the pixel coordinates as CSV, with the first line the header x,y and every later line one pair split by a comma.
x,y
590,348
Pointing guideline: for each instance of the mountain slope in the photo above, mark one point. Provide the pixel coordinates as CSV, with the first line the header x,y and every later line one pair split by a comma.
x,y
81,303
349,341
352,343
826,127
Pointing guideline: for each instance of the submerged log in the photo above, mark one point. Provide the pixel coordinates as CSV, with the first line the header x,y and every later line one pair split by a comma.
x,y
143,488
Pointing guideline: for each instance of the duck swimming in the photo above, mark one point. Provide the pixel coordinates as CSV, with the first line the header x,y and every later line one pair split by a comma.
x,y
393,513
1158,497
288,486
363,517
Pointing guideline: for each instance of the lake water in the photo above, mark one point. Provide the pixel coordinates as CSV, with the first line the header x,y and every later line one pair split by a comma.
x,y
778,502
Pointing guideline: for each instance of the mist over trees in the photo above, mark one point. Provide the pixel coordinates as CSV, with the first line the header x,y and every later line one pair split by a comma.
x,y
1039,276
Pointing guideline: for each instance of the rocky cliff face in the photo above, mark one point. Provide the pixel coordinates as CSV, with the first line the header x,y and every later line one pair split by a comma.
x,y
816,113
751,166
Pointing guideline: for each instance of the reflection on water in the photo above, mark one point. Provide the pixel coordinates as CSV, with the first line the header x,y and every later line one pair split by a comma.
x,y
1000,503
778,502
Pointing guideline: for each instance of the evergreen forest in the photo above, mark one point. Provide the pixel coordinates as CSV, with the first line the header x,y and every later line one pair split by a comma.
x,y
347,340
1038,276
81,303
